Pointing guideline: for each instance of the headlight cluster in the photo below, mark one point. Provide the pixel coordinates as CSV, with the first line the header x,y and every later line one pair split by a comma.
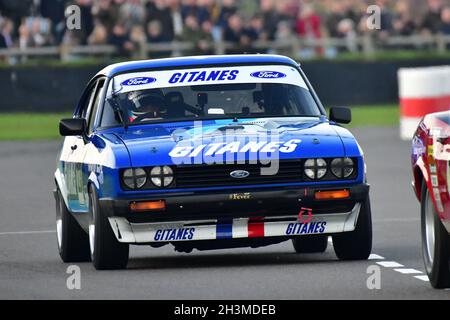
x,y
315,168
161,176
136,178
341,168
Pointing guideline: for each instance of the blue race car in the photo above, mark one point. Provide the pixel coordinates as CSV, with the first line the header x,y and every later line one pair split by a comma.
x,y
208,153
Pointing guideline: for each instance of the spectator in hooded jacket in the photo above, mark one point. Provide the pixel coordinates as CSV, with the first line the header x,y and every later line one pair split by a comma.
x,y
445,21
158,10
432,18
6,30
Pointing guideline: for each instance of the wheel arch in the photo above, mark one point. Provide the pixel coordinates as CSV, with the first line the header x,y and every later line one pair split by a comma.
x,y
93,181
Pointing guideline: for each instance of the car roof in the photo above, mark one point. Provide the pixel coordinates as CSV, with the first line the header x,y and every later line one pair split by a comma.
x,y
193,61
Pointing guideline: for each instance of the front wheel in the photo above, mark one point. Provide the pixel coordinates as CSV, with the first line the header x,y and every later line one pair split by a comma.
x,y
73,243
357,244
435,243
107,253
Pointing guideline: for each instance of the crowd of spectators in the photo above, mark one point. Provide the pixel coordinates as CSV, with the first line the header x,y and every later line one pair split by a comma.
x,y
128,24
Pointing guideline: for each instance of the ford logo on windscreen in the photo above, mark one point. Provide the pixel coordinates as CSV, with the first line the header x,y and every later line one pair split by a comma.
x,y
268,75
138,81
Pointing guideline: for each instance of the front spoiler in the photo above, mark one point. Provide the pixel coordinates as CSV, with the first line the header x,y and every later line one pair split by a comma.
x,y
280,202
196,230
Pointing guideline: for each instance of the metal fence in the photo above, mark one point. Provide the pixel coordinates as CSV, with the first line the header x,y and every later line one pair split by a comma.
x,y
366,45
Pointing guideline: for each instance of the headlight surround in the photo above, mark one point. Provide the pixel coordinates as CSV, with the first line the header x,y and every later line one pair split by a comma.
x,y
315,169
342,168
134,178
161,177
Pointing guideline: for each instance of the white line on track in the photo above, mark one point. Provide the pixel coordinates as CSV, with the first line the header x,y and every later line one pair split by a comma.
x,y
374,256
423,278
408,271
403,270
26,232
390,264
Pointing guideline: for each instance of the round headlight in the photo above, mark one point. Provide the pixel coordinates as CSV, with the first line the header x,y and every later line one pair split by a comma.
x,y
134,178
342,167
315,168
161,176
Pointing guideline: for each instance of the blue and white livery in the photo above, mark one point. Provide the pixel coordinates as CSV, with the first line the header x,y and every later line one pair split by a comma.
x,y
207,153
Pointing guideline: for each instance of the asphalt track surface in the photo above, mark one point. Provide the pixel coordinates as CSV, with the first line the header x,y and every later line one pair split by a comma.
x,y
30,267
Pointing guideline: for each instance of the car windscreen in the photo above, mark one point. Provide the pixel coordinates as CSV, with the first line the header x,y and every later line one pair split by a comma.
x,y
193,94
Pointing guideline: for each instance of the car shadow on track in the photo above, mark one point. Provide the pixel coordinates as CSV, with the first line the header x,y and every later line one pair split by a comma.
x,y
226,260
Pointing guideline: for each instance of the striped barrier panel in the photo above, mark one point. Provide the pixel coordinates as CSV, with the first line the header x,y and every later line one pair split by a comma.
x,y
422,91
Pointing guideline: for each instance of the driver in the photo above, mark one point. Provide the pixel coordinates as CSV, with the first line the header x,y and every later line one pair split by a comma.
x,y
147,105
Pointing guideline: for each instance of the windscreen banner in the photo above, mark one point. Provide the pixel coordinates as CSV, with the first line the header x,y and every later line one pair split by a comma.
x,y
206,76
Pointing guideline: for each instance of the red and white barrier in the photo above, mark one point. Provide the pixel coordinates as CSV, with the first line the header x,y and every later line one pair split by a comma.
x,y
422,91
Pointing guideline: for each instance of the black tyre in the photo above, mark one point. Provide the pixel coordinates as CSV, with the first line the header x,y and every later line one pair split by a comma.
x,y
73,241
106,251
435,243
357,244
310,244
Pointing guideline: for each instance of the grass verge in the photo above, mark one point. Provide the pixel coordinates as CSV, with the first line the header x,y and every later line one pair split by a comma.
x,y
44,126
30,126
375,116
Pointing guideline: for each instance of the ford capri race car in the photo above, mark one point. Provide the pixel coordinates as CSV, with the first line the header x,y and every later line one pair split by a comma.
x,y
431,182
208,153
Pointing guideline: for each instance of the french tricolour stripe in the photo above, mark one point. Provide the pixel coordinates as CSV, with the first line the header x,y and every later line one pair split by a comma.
x,y
224,229
256,227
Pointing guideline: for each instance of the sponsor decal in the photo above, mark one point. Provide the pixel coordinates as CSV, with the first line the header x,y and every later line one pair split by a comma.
x,y
240,196
439,205
418,147
239,174
138,81
176,234
203,76
301,217
434,181
437,198
306,228
433,168
430,155
430,150
268,75
216,75
234,147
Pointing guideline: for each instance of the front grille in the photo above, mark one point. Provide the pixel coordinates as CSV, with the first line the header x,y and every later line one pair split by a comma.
x,y
218,175
192,176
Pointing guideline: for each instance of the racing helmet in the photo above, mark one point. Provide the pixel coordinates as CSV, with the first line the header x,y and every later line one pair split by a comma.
x,y
147,102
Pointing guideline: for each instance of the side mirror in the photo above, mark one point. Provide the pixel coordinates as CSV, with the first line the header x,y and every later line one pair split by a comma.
x,y
72,127
341,115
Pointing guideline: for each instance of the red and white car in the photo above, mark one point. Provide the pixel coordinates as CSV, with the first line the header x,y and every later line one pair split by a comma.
x,y
431,182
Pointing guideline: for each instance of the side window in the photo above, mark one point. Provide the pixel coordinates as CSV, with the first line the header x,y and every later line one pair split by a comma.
x,y
87,103
95,105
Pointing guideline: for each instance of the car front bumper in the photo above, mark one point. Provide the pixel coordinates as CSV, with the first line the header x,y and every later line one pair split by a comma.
x,y
229,215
